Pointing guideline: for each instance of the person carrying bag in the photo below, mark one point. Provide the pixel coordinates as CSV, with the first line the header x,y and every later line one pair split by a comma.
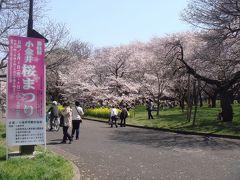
x,y
77,119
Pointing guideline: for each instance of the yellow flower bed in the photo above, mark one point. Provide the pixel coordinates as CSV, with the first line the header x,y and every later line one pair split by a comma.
x,y
99,112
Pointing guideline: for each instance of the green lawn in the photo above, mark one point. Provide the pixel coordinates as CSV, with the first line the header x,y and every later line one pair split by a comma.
x,y
44,166
206,120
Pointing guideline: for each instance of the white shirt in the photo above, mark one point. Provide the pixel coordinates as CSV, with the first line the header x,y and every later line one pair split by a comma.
x,y
77,111
114,112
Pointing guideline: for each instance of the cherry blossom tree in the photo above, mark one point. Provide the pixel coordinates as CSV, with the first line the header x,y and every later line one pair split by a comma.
x,y
112,68
222,16
220,21
13,21
178,90
156,80
223,80
67,69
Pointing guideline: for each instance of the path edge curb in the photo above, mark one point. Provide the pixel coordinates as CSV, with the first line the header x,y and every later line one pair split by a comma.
x,y
175,131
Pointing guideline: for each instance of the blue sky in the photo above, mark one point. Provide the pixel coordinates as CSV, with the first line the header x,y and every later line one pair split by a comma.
x,y
118,22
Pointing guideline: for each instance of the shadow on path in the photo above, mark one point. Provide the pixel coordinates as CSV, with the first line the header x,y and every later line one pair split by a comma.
x,y
158,139
54,142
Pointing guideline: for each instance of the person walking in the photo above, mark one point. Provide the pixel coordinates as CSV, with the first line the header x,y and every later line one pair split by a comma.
x,y
113,116
77,112
54,114
123,116
150,109
67,117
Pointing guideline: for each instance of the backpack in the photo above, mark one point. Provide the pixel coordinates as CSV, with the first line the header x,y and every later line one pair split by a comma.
x,y
54,111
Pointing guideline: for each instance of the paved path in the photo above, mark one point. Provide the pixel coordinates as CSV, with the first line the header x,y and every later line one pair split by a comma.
x,y
104,153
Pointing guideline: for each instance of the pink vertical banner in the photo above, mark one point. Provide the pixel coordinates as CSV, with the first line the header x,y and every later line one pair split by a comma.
x,y
26,90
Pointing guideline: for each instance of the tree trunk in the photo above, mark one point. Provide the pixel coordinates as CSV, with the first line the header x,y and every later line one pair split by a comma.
x,y
195,101
200,99
181,102
199,93
231,97
227,112
189,107
213,100
158,105
209,101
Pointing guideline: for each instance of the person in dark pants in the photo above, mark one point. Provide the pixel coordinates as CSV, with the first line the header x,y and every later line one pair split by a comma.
x,y
123,116
113,116
67,115
77,119
54,113
150,109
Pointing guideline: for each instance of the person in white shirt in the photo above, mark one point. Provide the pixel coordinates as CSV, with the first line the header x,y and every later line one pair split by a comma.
x,y
113,116
77,112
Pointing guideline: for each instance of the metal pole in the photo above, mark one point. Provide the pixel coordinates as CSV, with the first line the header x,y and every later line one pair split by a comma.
x,y
30,19
28,149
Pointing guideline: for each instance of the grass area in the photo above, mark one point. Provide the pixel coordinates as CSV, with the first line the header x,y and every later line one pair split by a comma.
x,y
206,120
44,166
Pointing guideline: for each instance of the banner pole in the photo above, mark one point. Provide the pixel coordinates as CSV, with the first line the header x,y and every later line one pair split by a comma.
x,y
44,111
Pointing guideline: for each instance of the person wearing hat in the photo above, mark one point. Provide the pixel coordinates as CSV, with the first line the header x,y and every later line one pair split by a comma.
x,y
54,113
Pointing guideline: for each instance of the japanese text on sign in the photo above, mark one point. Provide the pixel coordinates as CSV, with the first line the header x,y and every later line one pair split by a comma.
x,y
26,87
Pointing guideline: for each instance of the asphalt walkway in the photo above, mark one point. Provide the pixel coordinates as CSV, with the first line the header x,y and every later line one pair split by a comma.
x,y
105,153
